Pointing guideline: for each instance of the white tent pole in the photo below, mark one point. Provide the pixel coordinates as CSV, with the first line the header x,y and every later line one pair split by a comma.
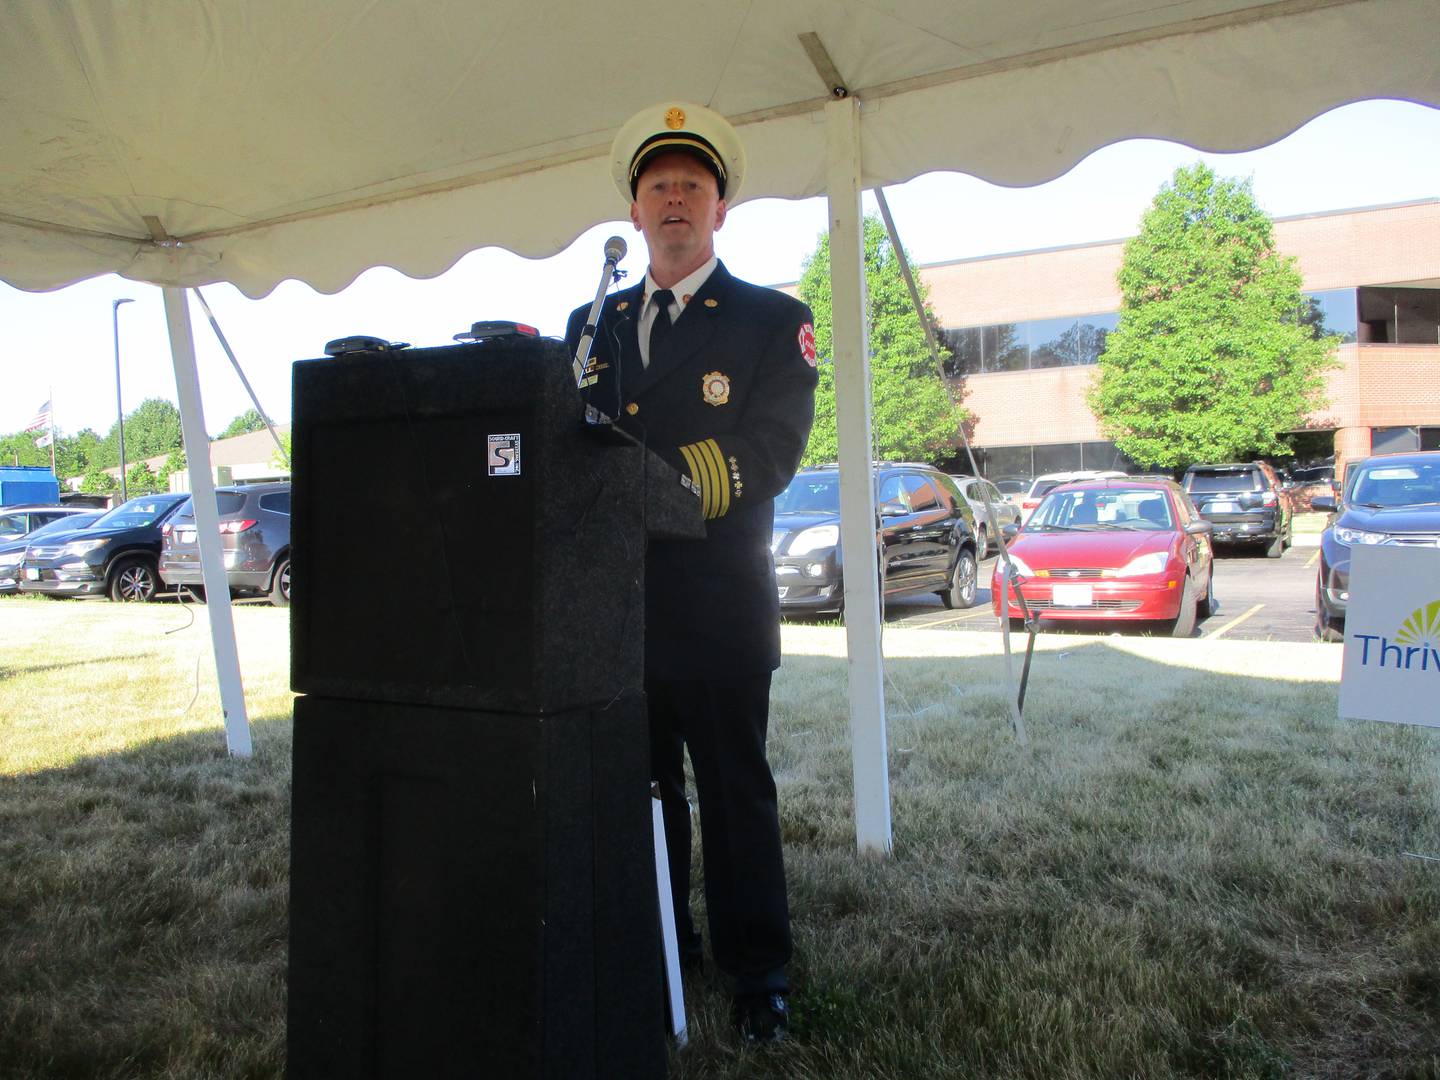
x,y
207,524
857,488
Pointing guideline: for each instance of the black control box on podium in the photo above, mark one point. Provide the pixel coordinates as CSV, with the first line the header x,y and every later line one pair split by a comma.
x,y
472,878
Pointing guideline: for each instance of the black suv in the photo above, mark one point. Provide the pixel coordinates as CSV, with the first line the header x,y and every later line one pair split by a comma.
x,y
117,555
254,541
1243,504
925,537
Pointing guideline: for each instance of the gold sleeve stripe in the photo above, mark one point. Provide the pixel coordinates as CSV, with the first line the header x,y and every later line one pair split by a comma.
x,y
689,455
707,469
722,478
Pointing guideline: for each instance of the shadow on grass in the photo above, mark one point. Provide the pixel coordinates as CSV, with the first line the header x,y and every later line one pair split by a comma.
x,y
8,672
1184,874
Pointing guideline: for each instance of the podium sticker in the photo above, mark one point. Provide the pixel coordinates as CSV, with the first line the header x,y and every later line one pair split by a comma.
x,y
503,454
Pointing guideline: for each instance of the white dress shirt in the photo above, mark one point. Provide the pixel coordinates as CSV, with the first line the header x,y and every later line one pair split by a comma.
x,y
683,289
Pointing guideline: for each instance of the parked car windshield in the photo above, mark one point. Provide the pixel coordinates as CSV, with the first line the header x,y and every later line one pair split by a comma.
x,y
136,513
810,494
1397,485
1138,509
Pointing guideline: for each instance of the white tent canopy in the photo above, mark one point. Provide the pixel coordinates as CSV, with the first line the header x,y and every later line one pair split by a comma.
x,y
277,140
184,142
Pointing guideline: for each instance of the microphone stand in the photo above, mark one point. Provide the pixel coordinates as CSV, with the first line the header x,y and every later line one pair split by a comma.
x,y
583,375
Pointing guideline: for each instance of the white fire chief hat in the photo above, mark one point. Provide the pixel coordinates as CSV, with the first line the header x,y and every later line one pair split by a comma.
x,y
681,126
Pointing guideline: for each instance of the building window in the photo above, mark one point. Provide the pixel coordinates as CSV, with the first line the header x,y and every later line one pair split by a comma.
x,y
1399,316
1333,311
1039,343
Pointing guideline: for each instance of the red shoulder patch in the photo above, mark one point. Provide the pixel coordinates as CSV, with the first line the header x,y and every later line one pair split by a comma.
x,y
807,343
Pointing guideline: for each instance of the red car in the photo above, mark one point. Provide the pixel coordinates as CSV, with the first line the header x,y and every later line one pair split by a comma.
x,y
1118,549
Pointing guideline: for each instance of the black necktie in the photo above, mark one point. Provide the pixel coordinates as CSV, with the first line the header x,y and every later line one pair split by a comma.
x,y
660,328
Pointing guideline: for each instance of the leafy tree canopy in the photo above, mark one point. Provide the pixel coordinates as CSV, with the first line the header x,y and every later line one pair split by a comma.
x,y
152,429
139,480
1212,359
248,421
914,417
97,482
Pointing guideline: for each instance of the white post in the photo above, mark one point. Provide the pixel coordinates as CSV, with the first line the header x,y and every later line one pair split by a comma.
x,y
857,486
207,524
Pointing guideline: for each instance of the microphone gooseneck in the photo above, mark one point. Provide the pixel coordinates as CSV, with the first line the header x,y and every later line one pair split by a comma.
x,y
614,252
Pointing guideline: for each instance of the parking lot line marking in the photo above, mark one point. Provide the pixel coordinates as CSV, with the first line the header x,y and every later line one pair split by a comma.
x,y
1312,559
1234,622
944,621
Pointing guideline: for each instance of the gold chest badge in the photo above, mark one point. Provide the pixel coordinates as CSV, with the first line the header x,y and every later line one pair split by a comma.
x,y
715,387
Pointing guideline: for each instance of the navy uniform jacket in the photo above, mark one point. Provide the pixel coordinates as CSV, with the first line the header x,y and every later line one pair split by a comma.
x,y
728,402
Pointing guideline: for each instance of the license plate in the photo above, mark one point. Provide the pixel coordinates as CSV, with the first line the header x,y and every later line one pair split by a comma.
x,y
186,536
1224,507
1073,594
32,574
781,590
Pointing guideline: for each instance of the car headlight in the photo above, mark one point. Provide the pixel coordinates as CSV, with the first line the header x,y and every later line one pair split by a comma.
x,y
1153,563
1021,567
82,547
11,558
814,539
1359,536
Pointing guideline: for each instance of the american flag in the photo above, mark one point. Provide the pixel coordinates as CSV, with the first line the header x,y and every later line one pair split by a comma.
x,y
41,420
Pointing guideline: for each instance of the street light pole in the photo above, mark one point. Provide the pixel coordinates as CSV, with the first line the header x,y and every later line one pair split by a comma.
x,y
119,408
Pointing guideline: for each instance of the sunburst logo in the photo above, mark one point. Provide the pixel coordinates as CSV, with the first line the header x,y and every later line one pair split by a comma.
x,y
1422,625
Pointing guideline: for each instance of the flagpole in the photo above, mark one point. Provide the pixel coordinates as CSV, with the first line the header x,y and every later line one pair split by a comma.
x,y
53,471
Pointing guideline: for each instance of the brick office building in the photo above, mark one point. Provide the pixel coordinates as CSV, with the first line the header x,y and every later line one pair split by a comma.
x,y
1027,329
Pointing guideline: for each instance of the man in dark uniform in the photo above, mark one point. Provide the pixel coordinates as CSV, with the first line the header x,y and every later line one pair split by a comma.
x,y
717,377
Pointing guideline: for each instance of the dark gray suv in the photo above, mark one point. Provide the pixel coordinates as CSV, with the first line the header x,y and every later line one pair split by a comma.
x,y
254,540
925,538
1243,504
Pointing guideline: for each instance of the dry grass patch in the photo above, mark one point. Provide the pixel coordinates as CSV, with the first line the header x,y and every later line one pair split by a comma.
x,y
1194,869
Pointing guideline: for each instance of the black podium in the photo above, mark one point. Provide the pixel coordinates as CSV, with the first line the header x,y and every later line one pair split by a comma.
x,y
472,872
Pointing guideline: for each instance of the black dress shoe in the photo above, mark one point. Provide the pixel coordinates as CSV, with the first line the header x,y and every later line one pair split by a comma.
x,y
761,1018
692,955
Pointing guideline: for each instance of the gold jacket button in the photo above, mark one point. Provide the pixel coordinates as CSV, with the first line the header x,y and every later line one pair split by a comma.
x,y
632,408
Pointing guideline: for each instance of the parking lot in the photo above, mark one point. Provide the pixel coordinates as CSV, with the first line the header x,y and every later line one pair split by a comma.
x,y
1259,599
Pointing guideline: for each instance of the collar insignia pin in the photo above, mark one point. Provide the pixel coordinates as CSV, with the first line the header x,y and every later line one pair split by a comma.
x,y
712,302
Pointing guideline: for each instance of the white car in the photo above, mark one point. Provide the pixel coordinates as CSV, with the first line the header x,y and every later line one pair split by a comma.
x,y
1007,509
1042,484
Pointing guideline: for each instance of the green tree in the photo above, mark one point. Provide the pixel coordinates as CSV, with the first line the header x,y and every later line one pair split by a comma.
x,y
1212,360
174,463
139,480
151,430
281,460
77,454
20,449
98,482
914,416
248,421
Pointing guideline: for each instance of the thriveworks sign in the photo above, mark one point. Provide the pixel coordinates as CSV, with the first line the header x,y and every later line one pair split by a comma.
x,y
1392,646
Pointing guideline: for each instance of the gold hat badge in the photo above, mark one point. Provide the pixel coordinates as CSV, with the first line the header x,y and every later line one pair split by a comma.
x,y
674,118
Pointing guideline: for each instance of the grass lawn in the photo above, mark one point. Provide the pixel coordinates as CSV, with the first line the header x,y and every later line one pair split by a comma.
x,y
1194,869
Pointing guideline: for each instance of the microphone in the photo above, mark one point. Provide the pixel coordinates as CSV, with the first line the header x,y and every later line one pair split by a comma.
x,y
614,252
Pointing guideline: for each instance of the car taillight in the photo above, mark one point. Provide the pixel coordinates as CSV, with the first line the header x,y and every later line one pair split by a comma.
x,y
165,529
1267,498
238,525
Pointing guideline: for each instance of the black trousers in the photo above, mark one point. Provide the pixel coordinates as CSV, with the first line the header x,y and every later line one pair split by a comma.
x,y
723,724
